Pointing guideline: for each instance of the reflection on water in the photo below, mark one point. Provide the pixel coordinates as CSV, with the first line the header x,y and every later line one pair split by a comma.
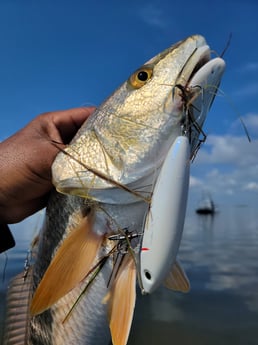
x,y
220,256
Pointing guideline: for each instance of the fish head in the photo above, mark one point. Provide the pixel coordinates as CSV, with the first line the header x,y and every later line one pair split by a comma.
x,y
127,138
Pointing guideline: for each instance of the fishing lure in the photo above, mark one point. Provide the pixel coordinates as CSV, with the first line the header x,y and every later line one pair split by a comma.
x,y
165,220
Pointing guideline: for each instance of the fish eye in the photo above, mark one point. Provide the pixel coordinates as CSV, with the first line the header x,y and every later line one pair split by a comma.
x,y
140,77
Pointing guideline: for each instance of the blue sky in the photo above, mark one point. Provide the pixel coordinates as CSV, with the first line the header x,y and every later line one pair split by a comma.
x,y
57,54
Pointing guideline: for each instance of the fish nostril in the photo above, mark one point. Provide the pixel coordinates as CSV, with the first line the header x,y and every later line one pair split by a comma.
x,y
147,274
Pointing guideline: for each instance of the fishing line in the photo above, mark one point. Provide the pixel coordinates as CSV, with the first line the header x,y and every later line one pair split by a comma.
x,y
102,175
231,103
128,119
234,108
94,271
227,45
219,92
131,250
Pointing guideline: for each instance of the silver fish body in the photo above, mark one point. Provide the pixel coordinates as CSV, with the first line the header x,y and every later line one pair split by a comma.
x,y
108,173
88,324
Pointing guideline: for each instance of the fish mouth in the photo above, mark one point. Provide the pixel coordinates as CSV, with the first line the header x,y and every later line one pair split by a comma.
x,y
200,90
199,58
205,58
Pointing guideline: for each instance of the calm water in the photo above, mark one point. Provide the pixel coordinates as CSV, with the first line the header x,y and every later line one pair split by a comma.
x,y
220,256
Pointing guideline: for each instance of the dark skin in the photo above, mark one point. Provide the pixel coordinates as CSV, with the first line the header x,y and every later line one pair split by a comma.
x,y
26,158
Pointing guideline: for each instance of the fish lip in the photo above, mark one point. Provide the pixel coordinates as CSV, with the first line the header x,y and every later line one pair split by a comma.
x,y
205,58
201,55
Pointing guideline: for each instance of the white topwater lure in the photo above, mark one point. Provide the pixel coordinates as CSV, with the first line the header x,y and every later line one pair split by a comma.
x,y
165,219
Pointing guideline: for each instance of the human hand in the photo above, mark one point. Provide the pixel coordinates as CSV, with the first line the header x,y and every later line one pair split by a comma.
x,y
26,159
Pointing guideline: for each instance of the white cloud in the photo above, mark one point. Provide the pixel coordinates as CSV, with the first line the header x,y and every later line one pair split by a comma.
x,y
250,122
195,182
252,186
250,67
233,182
153,15
248,89
228,167
228,149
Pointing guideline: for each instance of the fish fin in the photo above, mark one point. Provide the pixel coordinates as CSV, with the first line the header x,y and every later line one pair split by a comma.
x,y
69,266
17,314
121,301
176,279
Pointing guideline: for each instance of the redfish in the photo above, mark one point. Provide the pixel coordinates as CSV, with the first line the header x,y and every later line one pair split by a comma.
x,y
101,232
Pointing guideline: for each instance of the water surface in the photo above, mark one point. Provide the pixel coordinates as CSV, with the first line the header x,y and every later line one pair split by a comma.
x,y
220,257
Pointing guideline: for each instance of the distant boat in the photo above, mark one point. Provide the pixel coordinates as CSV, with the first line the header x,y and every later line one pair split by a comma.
x,y
206,206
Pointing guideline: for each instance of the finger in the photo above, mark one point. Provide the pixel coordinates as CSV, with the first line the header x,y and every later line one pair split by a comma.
x,y
69,121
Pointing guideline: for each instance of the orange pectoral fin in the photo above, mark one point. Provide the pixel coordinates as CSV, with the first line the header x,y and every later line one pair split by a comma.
x,y
69,266
121,301
176,279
